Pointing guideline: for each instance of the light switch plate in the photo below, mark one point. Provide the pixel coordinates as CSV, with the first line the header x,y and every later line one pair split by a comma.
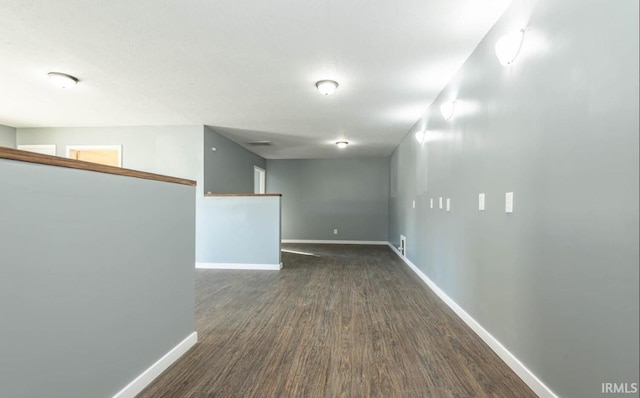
x,y
508,202
481,202
448,204
440,202
414,204
431,203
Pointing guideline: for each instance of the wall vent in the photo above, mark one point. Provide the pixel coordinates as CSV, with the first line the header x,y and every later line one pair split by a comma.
x,y
259,143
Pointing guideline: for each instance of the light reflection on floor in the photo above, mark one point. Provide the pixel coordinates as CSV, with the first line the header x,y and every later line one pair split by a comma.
x,y
298,252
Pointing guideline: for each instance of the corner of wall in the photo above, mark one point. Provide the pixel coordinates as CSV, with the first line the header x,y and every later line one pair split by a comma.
x,y
8,136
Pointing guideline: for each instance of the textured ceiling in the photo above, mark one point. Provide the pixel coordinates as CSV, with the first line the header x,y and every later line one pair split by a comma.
x,y
246,68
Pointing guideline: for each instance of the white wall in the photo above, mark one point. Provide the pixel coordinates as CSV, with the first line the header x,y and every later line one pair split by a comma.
x,y
323,195
7,136
230,168
175,151
238,230
556,282
96,278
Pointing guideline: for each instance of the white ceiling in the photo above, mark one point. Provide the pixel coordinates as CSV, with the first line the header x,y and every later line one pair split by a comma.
x,y
245,67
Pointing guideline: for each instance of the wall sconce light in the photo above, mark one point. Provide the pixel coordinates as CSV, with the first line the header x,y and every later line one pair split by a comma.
x,y
327,87
447,109
420,135
342,144
62,80
508,47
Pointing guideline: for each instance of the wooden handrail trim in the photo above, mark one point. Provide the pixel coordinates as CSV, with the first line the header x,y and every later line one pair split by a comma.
x,y
30,157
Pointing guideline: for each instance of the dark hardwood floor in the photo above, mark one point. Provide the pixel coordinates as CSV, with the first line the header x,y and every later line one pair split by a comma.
x,y
347,321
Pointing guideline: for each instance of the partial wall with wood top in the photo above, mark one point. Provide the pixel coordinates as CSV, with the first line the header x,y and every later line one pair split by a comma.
x,y
96,275
239,232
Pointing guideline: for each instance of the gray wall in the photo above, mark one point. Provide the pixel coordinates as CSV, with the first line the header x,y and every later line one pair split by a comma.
x,y
320,195
96,278
228,169
7,136
239,230
556,281
171,150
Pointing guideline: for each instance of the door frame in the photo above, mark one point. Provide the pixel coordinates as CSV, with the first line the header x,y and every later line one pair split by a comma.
x,y
262,182
96,147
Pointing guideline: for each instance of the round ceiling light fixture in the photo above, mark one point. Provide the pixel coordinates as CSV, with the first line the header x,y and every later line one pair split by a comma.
x,y
62,80
327,87
342,144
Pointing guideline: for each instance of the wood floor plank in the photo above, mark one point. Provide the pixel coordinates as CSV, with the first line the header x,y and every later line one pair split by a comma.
x,y
338,321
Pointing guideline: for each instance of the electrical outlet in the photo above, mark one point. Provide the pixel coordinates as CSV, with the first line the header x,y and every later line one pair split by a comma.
x,y
448,204
335,231
481,202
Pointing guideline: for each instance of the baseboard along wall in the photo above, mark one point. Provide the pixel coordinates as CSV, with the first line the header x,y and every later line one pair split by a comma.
x,y
514,363
336,242
149,375
511,360
256,267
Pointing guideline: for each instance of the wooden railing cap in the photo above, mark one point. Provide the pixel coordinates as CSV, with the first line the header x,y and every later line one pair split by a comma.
x,y
24,156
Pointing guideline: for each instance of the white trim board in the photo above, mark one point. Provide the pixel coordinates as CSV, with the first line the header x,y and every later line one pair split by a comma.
x,y
514,363
258,267
141,382
337,242
45,149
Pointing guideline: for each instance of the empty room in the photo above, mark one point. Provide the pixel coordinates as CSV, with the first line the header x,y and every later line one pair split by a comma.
x,y
326,198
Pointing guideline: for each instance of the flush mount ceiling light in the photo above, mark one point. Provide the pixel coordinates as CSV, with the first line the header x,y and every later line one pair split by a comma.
x,y
447,109
508,47
327,87
342,144
62,80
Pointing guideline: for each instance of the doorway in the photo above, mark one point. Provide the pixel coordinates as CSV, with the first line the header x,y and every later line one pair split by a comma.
x,y
259,180
110,155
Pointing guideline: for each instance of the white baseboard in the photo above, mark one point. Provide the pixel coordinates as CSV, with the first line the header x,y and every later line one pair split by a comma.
x,y
337,242
149,375
257,267
514,363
